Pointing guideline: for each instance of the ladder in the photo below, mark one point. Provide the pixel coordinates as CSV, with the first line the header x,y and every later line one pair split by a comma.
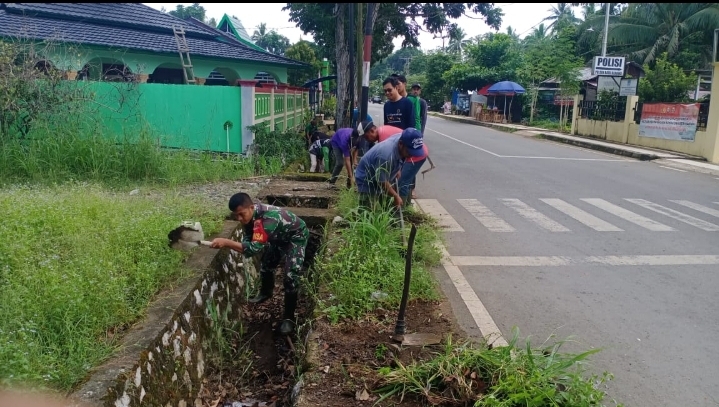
x,y
187,71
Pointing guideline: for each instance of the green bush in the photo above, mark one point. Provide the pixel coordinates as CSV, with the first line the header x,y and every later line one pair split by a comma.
x,y
77,264
286,146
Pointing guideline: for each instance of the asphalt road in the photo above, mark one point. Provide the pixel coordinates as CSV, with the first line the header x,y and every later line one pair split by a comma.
x,y
560,241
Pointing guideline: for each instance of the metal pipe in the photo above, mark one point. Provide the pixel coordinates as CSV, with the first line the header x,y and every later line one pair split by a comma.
x,y
367,59
400,328
606,30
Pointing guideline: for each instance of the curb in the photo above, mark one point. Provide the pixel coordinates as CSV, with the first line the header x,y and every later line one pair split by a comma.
x,y
474,122
600,147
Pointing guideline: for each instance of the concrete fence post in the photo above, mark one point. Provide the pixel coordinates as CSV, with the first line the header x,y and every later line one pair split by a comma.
x,y
575,114
713,121
249,111
628,117
272,108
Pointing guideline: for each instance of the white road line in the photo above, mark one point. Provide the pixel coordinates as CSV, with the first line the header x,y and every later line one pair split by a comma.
x,y
485,216
529,157
697,207
581,216
480,315
682,217
433,208
557,261
670,168
487,327
533,215
465,143
628,215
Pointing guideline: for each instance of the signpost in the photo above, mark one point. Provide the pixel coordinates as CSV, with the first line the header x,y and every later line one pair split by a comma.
x,y
628,87
670,121
608,83
609,66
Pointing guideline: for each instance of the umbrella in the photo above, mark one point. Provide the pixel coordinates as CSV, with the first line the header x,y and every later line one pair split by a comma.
x,y
506,88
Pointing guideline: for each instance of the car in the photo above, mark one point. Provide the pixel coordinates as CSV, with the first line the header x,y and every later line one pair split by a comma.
x,y
377,99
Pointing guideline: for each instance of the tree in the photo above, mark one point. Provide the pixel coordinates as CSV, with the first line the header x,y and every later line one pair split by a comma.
x,y
645,30
436,89
457,40
562,13
666,83
495,58
270,40
326,22
397,62
302,51
194,11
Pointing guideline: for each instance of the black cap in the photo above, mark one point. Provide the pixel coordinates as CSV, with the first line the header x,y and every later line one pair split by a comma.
x,y
416,85
400,77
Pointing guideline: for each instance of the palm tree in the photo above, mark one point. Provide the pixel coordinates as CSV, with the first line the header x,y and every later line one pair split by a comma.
x,y
513,33
457,39
562,13
588,11
260,34
648,29
538,34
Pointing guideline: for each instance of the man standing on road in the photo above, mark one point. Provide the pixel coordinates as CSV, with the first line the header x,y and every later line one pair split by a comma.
x,y
402,88
282,234
379,167
416,92
398,110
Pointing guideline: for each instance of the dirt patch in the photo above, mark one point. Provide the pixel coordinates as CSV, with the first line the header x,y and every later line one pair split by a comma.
x,y
350,354
262,367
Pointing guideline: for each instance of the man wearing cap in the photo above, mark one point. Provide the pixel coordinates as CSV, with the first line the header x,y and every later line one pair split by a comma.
x,y
342,143
416,92
379,167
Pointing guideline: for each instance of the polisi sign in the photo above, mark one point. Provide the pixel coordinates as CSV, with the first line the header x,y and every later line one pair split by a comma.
x,y
609,66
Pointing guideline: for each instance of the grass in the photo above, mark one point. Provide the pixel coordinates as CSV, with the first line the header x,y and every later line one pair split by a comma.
x,y
68,156
78,264
366,259
475,374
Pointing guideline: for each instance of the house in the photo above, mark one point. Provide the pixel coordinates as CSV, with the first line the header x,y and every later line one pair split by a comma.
x,y
131,42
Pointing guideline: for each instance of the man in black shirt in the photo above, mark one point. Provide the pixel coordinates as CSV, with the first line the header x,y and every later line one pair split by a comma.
x,y
398,111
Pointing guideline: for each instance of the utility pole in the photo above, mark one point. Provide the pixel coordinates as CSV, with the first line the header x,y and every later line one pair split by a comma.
x,y
406,60
606,29
358,63
367,58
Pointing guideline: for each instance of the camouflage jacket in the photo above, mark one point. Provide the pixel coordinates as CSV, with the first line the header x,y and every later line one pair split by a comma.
x,y
272,225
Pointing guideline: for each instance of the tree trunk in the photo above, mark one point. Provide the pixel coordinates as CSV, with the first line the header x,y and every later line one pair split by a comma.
x,y
359,29
344,82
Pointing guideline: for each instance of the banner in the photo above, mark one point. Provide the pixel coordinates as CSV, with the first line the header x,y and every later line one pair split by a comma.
x,y
671,121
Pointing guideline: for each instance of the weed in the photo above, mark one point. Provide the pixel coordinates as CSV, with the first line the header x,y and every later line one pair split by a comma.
x,y
82,264
380,351
368,260
466,373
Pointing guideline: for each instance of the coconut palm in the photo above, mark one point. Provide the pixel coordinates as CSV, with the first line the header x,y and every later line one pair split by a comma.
x,y
648,29
260,34
560,14
538,34
457,39
513,33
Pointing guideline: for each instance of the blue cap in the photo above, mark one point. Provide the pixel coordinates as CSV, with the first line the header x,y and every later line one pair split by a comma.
x,y
412,139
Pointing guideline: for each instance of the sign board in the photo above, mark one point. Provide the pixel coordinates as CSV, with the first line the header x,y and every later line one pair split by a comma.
x,y
608,83
670,121
563,100
628,87
609,66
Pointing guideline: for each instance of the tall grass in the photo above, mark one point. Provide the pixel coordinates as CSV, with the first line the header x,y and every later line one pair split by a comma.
x,y
366,268
61,155
78,263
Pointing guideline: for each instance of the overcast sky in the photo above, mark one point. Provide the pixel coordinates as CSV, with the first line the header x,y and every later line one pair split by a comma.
x,y
520,16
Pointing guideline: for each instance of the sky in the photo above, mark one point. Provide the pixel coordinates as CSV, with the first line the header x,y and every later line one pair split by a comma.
x,y
520,16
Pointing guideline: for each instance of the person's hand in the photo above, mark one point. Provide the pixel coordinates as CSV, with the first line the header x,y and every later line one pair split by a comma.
x,y
399,174
220,242
397,201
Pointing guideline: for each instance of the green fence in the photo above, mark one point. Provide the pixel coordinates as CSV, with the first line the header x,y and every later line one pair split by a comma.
x,y
275,113
179,116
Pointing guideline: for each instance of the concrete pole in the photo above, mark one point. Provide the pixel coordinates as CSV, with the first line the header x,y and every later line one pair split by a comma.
x,y
367,59
606,30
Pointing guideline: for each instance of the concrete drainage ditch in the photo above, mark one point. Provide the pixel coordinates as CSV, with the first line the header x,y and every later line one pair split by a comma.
x,y
170,358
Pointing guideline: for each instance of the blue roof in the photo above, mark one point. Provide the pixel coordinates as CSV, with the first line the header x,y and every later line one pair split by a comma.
x,y
123,25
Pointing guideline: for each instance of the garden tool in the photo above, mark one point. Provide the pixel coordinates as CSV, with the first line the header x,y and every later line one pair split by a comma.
x,y
188,235
429,169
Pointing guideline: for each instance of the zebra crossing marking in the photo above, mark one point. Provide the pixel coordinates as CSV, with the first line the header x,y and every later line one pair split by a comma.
x,y
697,207
485,216
433,208
581,216
628,215
534,215
682,217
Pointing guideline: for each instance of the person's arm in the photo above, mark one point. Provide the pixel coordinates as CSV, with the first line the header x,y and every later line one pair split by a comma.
x,y
391,192
384,110
411,119
423,105
355,152
348,166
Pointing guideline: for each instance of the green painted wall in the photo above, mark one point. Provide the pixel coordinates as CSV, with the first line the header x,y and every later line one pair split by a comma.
x,y
179,116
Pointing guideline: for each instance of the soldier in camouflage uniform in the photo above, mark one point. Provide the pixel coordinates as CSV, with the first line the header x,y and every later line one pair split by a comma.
x,y
282,234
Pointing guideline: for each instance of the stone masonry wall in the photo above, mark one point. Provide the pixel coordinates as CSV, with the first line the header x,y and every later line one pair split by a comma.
x,y
170,370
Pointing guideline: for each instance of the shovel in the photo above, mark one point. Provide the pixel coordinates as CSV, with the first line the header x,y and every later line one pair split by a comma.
x,y
187,235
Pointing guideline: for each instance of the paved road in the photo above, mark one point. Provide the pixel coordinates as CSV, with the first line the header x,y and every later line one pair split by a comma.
x,y
558,240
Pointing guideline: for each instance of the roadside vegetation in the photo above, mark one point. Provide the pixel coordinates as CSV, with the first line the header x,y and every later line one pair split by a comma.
x,y
363,267
82,257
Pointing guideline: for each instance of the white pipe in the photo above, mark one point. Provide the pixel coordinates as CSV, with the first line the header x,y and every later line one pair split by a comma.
x,y
227,137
